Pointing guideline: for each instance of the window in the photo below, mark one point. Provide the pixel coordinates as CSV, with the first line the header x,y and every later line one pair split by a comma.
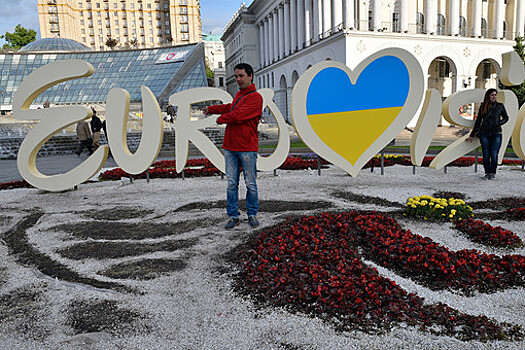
x,y
462,26
98,5
183,11
184,28
221,81
487,70
484,26
395,22
420,23
220,64
441,25
444,68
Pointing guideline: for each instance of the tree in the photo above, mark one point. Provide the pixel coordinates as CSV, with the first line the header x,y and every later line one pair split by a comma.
x,y
520,90
111,43
20,37
209,70
134,42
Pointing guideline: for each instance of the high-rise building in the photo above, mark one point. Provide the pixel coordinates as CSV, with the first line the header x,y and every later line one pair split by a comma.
x,y
129,23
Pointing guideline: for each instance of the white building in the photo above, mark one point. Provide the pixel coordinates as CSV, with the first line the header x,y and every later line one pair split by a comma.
x,y
214,53
457,42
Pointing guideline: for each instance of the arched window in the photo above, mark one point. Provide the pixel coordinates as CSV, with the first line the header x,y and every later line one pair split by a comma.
x,y
462,26
420,23
441,29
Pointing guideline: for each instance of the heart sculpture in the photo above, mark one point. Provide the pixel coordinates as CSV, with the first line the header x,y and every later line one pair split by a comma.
x,y
348,116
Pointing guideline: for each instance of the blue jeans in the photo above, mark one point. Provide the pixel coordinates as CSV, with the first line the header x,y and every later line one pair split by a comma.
x,y
234,161
490,145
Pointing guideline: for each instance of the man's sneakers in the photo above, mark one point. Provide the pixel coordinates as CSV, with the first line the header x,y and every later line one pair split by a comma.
x,y
231,223
252,220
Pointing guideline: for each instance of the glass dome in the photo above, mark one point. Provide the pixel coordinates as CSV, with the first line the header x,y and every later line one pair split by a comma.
x,y
54,45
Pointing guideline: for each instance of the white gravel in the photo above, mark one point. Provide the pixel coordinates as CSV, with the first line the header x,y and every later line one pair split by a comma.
x,y
196,308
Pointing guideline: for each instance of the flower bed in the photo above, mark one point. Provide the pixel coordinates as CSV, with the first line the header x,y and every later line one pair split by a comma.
x,y
435,209
517,214
312,264
483,233
14,184
437,267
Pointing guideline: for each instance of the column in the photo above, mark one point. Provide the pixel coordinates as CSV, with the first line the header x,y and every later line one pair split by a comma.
x,y
286,27
520,18
301,30
499,16
430,16
271,39
266,42
403,16
260,26
376,15
316,20
281,31
275,35
337,10
308,21
349,14
327,17
293,28
454,17
476,20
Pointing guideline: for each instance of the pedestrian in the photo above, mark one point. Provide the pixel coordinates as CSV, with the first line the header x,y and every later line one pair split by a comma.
x,y
96,127
84,136
171,113
487,127
241,143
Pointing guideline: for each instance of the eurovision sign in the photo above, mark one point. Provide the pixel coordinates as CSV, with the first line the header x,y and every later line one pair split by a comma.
x,y
346,116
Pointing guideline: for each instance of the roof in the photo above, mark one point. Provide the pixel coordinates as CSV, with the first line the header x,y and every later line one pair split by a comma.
x,y
54,45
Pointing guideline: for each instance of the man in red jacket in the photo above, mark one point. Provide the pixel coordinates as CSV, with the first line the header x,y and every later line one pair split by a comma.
x,y
241,143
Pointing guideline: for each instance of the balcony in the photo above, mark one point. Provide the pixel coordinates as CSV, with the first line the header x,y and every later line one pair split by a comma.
x,y
53,20
53,11
55,30
51,2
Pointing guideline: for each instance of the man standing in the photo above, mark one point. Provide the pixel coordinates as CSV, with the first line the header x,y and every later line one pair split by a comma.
x,y
84,136
96,126
241,143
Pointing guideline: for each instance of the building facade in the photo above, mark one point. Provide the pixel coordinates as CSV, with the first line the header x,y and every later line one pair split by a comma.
x,y
457,42
214,53
164,71
132,23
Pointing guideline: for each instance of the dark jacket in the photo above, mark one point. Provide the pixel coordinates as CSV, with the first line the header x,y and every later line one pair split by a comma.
x,y
241,121
491,121
96,123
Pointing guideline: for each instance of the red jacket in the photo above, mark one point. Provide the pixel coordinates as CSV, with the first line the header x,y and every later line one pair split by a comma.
x,y
241,123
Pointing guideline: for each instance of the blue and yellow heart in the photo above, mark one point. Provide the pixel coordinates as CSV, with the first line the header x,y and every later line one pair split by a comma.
x,y
348,117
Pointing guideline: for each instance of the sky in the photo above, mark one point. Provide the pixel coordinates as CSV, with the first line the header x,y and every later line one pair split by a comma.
x,y
215,14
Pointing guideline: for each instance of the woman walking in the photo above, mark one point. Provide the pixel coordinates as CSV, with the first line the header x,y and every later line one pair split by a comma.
x,y
487,127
